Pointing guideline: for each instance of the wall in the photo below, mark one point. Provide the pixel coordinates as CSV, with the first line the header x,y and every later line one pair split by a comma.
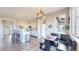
x,y
51,19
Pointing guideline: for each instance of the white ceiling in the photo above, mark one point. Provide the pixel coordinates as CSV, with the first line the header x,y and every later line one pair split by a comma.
x,y
25,13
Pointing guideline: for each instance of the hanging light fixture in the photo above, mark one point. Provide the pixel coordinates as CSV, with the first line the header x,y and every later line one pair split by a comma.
x,y
40,14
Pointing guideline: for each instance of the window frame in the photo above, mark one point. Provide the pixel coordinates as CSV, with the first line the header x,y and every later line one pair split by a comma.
x,y
74,21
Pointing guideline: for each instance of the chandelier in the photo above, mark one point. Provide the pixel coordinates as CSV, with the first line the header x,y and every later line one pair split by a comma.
x,y
40,14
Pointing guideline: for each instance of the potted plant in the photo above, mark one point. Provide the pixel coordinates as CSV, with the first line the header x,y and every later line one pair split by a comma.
x,y
66,28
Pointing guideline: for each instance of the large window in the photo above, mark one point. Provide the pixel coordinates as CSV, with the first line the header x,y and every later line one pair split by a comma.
x,y
75,21
78,22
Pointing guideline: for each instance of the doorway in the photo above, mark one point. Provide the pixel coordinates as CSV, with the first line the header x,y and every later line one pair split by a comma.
x,y
61,22
7,29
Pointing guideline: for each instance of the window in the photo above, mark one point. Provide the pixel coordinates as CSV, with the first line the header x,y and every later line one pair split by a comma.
x,y
78,22
75,21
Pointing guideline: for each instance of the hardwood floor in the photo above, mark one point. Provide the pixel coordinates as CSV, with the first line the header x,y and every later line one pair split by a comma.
x,y
8,45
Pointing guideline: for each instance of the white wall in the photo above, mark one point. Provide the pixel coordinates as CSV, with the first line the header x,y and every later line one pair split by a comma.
x,y
51,19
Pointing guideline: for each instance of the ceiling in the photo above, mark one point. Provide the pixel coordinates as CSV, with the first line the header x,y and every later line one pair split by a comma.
x,y
25,13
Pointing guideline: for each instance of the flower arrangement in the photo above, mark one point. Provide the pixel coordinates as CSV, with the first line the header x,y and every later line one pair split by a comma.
x,y
66,28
